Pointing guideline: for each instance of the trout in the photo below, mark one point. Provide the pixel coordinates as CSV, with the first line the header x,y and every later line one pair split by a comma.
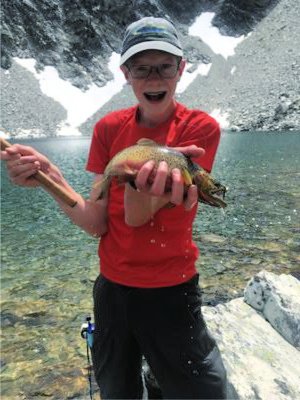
x,y
126,164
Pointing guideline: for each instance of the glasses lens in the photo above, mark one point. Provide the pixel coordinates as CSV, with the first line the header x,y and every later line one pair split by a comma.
x,y
166,71
140,71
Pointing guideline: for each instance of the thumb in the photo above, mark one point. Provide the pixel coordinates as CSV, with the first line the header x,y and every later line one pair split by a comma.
x,y
191,151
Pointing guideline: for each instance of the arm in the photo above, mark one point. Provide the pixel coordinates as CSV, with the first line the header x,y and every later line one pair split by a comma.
x,y
23,162
141,205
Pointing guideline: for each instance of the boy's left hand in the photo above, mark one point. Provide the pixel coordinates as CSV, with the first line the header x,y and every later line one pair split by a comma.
x,y
157,188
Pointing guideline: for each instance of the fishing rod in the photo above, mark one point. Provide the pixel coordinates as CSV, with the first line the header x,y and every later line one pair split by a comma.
x,y
47,182
87,331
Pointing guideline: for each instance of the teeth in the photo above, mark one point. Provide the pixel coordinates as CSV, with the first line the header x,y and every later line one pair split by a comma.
x,y
154,93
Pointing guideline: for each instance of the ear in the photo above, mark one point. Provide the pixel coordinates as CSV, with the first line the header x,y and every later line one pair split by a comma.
x,y
181,67
126,73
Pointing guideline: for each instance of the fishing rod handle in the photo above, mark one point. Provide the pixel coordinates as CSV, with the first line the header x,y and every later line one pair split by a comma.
x,y
47,182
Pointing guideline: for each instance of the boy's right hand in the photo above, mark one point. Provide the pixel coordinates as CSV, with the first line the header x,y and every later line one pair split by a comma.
x,y
22,163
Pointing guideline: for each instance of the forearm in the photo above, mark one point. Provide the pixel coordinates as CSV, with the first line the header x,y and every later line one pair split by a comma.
x,y
140,207
91,216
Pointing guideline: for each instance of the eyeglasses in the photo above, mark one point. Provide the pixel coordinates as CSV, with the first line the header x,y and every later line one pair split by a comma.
x,y
165,71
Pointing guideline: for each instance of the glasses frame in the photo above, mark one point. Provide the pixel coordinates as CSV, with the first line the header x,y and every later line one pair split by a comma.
x,y
152,68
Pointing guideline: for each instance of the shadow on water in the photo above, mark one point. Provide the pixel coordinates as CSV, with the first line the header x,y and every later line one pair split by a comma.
x,y
49,265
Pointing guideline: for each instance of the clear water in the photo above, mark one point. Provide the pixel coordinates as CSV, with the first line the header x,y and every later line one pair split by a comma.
x,y
48,265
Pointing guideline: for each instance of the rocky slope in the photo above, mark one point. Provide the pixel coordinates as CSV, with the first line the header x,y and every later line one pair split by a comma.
x,y
77,37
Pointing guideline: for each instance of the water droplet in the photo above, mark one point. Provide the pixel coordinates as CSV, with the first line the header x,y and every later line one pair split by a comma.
x,y
195,372
151,223
191,326
192,337
152,241
162,228
183,275
189,362
187,250
185,293
189,229
186,256
163,245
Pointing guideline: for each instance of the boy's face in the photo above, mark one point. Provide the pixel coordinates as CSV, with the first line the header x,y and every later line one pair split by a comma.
x,y
154,93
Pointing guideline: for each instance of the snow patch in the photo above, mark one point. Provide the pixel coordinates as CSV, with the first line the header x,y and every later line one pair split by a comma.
x,y
188,77
224,45
221,117
79,105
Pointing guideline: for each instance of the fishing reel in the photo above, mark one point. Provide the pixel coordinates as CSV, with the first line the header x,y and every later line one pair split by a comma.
x,y
87,330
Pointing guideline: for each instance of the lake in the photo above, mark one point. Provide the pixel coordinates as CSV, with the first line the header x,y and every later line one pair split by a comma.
x,y
48,265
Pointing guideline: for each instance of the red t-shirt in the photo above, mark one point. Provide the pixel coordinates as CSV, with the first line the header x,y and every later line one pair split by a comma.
x,y
161,252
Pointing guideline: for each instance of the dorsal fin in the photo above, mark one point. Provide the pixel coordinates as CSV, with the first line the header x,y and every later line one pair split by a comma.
x,y
146,142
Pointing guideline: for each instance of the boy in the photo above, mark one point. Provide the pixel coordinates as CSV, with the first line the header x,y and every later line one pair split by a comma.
x,y
146,299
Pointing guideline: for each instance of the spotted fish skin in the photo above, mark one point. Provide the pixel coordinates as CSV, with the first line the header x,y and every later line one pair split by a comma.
x,y
126,164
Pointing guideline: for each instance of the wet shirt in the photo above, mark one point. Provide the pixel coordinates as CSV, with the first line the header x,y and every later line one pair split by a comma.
x,y
161,252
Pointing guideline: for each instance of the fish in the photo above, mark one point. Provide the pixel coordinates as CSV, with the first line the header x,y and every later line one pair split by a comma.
x,y
125,165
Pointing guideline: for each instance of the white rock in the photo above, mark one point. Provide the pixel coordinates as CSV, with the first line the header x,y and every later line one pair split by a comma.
x,y
277,297
260,363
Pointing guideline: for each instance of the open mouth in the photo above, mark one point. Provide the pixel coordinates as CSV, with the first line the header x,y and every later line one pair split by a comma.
x,y
155,96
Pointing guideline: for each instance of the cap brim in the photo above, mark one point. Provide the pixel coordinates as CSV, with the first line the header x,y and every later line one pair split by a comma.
x,y
150,45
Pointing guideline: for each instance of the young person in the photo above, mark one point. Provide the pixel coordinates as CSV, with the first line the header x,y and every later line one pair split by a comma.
x,y
146,299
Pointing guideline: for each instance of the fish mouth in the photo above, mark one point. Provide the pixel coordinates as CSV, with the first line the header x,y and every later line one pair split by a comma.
x,y
215,197
155,97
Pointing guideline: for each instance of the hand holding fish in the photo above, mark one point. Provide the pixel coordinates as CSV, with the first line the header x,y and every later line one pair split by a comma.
x,y
176,194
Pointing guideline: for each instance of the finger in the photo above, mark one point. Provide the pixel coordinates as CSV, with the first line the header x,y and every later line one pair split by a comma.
x,y
192,197
191,151
19,169
9,157
23,150
143,175
23,160
159,183
25,178
177,187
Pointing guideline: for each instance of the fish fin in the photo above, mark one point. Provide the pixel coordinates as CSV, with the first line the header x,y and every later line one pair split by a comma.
x,y
146,142
170,205
187,179
101,188
126,170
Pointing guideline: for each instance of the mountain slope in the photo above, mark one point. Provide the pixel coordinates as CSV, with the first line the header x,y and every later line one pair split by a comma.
x,y
257,88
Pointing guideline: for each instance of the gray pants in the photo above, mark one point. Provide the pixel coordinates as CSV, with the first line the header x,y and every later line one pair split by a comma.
x,y
166,326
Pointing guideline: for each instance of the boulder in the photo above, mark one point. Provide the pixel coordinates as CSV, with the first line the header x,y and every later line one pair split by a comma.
x,y
259,342
260,363
278,299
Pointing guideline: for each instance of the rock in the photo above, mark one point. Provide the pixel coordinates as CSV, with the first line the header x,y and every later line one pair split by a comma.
x,y
257,358
277,298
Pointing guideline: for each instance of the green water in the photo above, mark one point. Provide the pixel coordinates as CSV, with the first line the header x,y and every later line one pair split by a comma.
x,y
48,265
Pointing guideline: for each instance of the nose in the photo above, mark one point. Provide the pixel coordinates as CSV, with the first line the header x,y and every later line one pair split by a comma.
x,y
154,70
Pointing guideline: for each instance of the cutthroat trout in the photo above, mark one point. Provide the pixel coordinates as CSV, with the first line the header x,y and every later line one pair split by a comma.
x,y
126,164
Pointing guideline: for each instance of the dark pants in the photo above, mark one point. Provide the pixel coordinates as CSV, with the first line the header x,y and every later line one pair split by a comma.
x,y
166,326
